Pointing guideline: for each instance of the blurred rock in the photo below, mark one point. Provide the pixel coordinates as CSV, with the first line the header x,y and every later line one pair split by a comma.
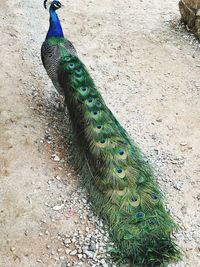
x,y
190,15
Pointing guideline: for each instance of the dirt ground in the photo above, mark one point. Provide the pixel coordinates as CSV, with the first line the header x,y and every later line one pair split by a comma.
x,y
147,68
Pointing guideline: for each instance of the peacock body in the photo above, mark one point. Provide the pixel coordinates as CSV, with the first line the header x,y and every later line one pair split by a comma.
x,y
121,183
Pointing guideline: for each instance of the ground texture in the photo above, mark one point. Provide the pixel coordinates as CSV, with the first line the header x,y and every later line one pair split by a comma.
x,y
147,69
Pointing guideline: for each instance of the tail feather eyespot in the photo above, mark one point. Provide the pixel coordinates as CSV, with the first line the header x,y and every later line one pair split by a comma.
x,y
71,66
140,215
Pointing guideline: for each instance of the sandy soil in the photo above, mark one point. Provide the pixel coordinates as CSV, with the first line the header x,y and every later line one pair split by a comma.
x,y
147,69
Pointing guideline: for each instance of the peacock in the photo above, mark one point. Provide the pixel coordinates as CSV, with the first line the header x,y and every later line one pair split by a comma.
x,y
120,181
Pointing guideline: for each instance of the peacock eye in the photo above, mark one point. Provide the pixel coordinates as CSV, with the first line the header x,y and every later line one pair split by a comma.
x,y
152,222
103,141
154,197
90,100
134,199
93,92
139,215
99,126
67,59
121,152
98,104
119,170
84,88
78,72
71,66
95,112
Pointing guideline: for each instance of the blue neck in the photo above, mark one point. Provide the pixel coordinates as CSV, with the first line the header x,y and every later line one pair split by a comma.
x,y
55,29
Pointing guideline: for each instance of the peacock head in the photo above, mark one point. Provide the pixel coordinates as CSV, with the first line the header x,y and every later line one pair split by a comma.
x,y
53,4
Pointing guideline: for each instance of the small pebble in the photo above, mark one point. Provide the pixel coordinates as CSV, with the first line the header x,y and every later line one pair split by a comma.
x,y
55,158
57,208
67,241
73,253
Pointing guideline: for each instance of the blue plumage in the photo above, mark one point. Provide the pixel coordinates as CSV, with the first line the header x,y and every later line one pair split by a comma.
x,y
55,28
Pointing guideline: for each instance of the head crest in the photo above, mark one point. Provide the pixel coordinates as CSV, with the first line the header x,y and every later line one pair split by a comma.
x,y
45,4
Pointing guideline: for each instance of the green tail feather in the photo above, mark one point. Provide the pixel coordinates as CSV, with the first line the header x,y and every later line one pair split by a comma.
x,y
120,181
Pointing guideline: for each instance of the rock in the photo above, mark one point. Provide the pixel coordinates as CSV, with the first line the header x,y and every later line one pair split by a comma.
x,y
178,186
57,208
55,157
104,264
84,200
186,226
93,238
67,251
187,13
64,264
190,15
73,253
87,229
79,250
80,256
67,241
74,239
59,186
89,254
183,144
93,247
